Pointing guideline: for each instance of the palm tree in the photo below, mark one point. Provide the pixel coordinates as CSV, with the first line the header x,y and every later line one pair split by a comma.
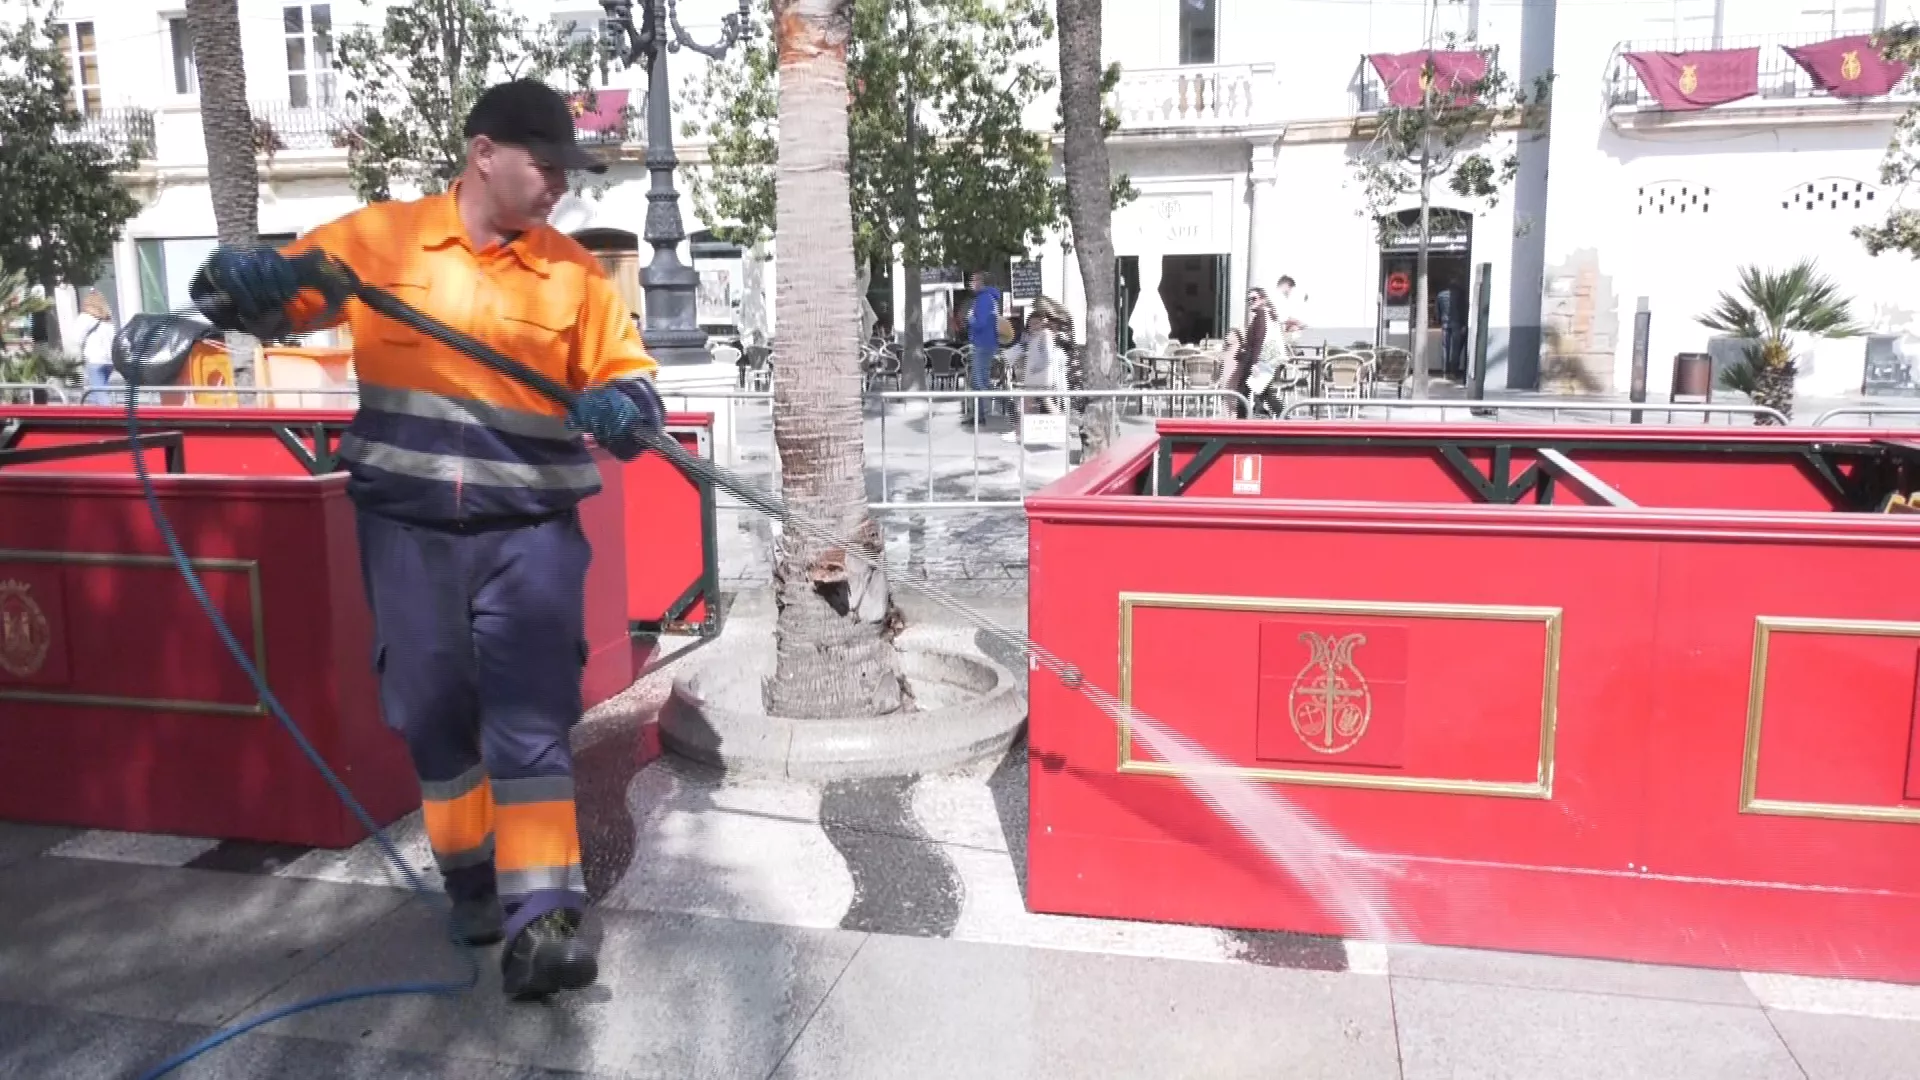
x,y
226,123
1083,85
834,652
1773,307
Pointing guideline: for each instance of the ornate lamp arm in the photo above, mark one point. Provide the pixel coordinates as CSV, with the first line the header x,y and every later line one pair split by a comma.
x,y
734,29
640,42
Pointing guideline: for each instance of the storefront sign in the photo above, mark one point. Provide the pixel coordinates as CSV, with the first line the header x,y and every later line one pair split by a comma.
x,y
1026,280
1172,224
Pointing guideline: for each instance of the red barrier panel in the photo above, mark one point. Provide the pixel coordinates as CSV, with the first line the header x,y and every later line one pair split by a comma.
x,y
673,569
1678,732
121,710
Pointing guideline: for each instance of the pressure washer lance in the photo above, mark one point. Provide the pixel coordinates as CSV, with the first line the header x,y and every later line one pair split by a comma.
x,y
335,281
1306,850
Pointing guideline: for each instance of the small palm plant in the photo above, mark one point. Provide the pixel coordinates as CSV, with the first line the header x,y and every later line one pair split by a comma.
x,y
1773,308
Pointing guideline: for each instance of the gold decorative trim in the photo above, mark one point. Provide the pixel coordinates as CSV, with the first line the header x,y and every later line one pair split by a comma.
x,y
1540,787
250,567
1764,627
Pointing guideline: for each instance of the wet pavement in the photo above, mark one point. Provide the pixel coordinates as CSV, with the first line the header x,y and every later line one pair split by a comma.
x,y
867,929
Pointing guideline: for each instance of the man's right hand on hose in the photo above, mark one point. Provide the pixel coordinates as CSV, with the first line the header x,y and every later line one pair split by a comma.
x,y
259,282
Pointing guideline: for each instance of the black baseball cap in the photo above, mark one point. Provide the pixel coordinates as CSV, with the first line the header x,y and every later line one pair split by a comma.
x,y
528,113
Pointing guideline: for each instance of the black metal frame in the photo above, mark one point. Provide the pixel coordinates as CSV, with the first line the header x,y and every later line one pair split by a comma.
x,y
706,587
315,454
170,443
1856,477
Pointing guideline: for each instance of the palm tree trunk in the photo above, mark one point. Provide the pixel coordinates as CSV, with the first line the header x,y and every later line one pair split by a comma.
x,y
1090,203
834,653
226,122
1773,383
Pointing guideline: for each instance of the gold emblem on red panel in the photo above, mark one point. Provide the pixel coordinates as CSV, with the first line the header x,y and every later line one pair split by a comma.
x,y
1689,78
25,636
1331,704
1850,65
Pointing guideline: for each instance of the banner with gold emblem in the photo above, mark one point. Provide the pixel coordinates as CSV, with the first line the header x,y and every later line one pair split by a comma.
x,y
1849,67
1408,76
1689,81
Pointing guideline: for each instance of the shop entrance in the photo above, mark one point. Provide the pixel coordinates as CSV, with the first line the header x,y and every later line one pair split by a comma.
x,y
1450,272
1196,290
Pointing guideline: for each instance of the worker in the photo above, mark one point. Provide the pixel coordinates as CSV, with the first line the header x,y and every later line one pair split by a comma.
x,y
465,486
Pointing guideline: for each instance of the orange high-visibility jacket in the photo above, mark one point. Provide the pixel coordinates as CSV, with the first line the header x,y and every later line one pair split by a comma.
x,y
439,437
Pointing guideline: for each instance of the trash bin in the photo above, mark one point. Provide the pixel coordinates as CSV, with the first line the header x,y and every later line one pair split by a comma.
x,y
1692,377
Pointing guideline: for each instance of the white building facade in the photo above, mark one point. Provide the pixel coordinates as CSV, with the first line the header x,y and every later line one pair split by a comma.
x,y
1667,205
1240,122
135,79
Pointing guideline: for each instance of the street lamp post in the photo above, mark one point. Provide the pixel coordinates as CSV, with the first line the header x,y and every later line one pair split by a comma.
x,y
672,331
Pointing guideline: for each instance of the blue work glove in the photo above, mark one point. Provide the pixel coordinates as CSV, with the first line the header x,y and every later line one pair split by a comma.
x,y
246,289
619,416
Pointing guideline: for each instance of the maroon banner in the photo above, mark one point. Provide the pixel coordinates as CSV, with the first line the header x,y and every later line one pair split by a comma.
x,y
1405,75
1849,67
1683,82
608,105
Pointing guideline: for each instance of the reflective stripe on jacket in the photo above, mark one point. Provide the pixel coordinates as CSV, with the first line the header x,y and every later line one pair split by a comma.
x,y
439,437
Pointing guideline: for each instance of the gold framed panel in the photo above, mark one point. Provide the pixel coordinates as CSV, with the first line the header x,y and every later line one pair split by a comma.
x,y
1550,619
249,567
1764,627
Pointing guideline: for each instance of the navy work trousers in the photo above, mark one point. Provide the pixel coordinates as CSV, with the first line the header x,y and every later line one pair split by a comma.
x,y
479,645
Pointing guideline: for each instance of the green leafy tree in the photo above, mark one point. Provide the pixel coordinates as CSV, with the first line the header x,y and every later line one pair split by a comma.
x,y
61,204
1901,166
1775,308
972,186
1447,137
411,82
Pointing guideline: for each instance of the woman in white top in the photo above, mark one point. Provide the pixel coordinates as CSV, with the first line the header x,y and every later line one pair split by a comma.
x,y
95,327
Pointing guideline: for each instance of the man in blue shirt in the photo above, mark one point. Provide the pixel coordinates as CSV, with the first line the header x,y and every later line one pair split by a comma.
x,y
983,333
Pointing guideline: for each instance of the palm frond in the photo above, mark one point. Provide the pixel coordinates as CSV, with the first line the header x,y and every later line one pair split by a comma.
x,y
1774,305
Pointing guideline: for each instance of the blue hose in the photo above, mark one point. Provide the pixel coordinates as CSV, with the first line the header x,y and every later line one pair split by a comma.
x,y
420,890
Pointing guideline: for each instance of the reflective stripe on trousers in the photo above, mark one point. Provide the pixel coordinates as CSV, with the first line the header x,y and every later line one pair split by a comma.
x,y
480,644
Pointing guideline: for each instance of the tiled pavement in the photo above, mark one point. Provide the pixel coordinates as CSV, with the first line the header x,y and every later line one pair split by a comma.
x,y
859,930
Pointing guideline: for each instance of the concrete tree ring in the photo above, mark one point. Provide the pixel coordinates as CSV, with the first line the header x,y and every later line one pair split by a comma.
x,y
972,708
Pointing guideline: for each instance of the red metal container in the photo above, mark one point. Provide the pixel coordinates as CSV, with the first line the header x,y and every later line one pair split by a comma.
x,y
120,709
1681,730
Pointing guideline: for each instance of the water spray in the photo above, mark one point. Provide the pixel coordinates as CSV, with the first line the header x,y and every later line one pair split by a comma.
x,y
1346,880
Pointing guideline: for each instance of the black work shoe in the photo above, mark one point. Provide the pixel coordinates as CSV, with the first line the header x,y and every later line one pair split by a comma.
x,y
548,956
478,921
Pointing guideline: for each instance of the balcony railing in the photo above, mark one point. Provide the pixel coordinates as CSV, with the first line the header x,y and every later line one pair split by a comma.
x,y
1214,96
1369,91
1781,79
125,130
279,126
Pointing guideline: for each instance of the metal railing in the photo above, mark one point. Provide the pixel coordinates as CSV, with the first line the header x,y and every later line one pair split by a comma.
x,y
1609,411
10,390
974,468
1781,79
118,394
964,398
280,125
1868,411
125,130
